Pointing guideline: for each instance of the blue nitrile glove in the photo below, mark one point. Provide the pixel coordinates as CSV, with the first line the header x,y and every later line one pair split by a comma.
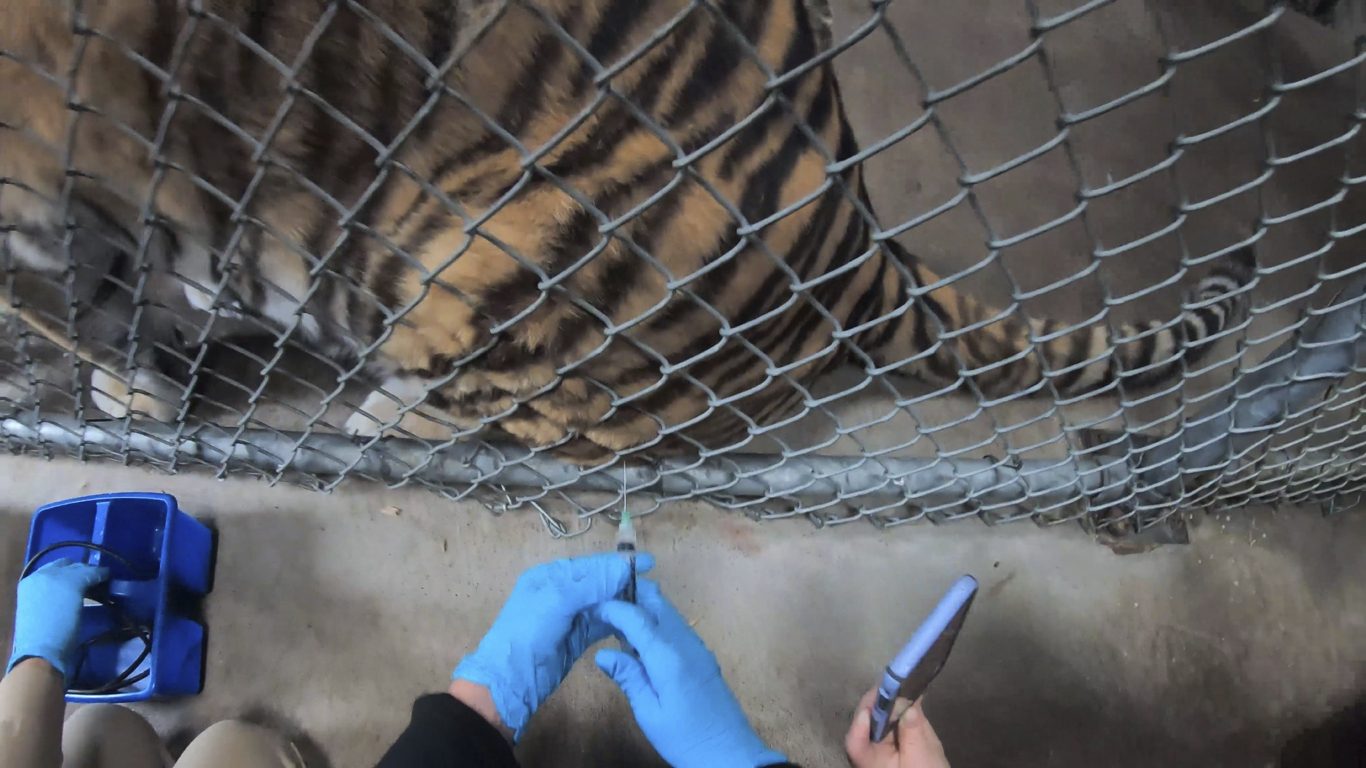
x,y
543,629
675,688
48,612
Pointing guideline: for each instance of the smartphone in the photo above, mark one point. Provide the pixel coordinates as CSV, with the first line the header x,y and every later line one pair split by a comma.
x,y
911,672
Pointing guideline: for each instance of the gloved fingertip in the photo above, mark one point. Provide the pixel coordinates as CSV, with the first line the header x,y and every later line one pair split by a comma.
x,y
625,671
609,661
605,659
613,613
647,587
644,562
651,598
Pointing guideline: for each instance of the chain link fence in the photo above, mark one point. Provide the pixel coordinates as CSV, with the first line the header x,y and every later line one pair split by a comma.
x,y
988,137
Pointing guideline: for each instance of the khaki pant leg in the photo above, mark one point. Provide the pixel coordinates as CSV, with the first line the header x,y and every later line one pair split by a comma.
x,y
234,744
109,736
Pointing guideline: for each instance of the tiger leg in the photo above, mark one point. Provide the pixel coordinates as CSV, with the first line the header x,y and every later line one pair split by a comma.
x,y
394,408
147,392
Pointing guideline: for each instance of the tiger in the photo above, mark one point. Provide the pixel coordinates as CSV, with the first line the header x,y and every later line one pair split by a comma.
x,y
81,299
591,227
100,278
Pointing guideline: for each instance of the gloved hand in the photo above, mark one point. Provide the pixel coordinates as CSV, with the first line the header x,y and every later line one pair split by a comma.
x,y
543,629
676,690
48,611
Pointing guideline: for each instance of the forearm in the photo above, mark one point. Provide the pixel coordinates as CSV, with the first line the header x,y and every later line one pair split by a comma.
x,y
458,729
453,730
32,706
478,698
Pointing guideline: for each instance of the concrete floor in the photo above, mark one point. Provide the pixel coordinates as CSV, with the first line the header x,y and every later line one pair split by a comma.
x,y
329,616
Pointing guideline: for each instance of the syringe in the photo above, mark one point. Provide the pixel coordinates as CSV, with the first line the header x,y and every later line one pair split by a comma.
x,y
626,547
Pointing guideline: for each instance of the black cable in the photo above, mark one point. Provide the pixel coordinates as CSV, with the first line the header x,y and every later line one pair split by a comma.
x,y
40,554
137,629
123,680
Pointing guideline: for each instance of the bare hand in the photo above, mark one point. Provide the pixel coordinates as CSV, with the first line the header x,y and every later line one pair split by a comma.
x,y
912,745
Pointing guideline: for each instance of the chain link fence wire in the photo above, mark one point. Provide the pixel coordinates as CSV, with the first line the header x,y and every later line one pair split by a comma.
x,y
1086,161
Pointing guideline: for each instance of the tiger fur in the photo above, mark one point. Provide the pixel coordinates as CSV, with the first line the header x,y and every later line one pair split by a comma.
x,y
95,269
78,289
593,259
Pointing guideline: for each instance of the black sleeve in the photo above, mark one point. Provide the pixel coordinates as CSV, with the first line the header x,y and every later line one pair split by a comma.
x,y
444,733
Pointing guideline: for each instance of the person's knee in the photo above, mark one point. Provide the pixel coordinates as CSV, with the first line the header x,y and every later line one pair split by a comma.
x,y
239,744
106,735
104,718
234,731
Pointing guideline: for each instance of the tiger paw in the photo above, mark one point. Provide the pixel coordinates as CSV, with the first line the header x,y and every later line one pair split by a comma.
x,y
152,396
372,416
385,413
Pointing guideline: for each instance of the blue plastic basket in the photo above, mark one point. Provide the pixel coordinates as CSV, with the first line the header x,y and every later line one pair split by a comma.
x,y
169,558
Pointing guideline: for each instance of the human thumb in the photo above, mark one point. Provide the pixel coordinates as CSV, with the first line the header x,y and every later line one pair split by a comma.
x,y
89,576
917,742
628,673
857,743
